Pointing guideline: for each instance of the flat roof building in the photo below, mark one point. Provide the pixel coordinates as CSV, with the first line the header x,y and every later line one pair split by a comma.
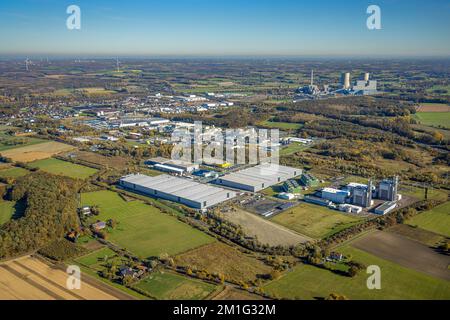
x,y
259,177
184,191
174,166
335,195
385,207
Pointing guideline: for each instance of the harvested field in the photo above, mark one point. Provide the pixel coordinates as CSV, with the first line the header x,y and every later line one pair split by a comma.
x,y
220,258
266,231
29,278
405,252
37,152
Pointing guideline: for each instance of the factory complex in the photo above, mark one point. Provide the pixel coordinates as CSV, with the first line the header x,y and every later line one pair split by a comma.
x,y
356,196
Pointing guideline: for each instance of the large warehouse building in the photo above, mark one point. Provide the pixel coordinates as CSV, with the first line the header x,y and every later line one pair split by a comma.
x,y
259,177
184,191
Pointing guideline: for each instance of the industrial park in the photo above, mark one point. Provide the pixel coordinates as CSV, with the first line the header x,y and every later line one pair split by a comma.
x,y
224,159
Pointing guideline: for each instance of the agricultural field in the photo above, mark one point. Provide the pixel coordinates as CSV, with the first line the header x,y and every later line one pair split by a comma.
x,y
143,229
13,172
235,294
405,252
64,168
397,282
314,221
426,237
433,107
436,220
11,142
419,193
29,278
170,286
265,231
292,148
115,162
35,152
434,119
222,259
281,125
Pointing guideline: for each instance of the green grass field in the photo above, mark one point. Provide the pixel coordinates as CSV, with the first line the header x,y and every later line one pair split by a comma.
x,y
314,221
142,228
64,168
94,259
434,119
281,125
9,142
419,193
7,210
308,282
436,220
292,148
169,286
13,172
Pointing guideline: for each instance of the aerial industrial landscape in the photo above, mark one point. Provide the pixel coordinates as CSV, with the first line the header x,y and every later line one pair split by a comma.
x,y
224,178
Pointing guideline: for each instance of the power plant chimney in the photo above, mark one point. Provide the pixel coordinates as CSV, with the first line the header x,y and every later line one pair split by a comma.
x,y
366,76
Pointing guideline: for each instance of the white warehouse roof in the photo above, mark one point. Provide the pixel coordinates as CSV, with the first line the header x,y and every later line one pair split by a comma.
x,y
180,190
259,177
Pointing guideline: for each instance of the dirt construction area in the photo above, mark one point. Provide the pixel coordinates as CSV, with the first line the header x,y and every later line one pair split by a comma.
x,y
405,252
37,151
266,231
29,278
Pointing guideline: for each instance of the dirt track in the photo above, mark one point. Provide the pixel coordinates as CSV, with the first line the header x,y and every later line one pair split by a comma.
x,y
405,252
28,278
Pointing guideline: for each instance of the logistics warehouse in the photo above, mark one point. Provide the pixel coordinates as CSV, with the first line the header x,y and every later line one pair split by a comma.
x,y
184,191
259,177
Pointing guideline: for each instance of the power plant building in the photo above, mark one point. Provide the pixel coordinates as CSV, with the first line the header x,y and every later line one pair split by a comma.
x,y
388,189
259,177
361,194
335,195
184,191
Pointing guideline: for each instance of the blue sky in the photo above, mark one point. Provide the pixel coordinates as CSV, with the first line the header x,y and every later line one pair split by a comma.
x,y
230,27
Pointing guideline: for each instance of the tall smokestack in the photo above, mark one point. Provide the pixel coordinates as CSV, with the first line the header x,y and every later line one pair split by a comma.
x,y
312,77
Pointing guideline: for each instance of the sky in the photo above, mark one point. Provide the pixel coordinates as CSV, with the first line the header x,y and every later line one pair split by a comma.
x,y
225,28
